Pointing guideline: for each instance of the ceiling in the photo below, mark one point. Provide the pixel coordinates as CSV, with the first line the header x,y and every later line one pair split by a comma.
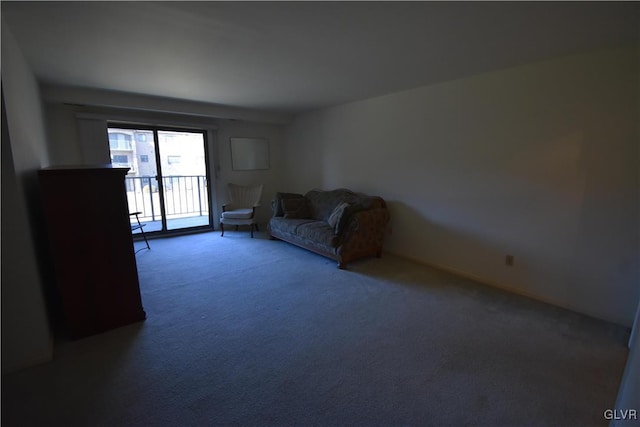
x,y
295,56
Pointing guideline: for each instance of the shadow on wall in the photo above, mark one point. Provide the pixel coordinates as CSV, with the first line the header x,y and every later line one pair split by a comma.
x,y
38,226
415,235
459,248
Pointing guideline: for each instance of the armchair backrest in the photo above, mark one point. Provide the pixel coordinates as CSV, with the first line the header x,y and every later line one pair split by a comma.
x,y
244,196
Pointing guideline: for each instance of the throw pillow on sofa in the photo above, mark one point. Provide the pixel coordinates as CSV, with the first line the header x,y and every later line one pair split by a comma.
x,y
336,215
278,208
296,208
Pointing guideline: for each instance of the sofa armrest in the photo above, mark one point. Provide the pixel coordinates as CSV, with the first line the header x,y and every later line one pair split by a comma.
x,y
274,207
366,229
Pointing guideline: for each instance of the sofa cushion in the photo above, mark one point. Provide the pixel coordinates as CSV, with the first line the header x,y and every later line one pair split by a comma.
x,y
319,232
296,208
279,224
238,214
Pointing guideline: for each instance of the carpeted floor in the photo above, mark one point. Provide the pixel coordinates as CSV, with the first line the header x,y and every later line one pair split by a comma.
x,y
244,331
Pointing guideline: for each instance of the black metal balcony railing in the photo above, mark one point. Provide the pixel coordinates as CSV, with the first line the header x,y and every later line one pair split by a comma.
x,y
183,196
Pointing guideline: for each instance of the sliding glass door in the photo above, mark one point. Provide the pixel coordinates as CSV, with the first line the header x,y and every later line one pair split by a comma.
x,y
167,180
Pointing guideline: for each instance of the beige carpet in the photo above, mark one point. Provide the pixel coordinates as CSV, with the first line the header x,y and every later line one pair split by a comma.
x,y
244,331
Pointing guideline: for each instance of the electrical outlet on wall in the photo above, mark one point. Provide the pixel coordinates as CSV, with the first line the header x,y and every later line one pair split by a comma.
x,y
509,260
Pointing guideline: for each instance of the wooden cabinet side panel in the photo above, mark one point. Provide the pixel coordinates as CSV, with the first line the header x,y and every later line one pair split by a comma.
x,y
92,248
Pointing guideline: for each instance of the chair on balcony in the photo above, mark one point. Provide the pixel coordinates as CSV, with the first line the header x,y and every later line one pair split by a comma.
x,y
241,208
139,226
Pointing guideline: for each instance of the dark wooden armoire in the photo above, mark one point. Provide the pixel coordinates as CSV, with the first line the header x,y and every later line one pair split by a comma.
x,y
91,247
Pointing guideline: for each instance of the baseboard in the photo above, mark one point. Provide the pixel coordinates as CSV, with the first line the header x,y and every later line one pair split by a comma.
x,y
508,288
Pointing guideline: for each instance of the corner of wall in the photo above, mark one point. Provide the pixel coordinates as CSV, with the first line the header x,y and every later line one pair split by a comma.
x,y
26,336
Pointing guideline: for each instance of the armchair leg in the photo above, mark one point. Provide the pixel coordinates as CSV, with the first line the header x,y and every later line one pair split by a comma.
x,y
222,229
140,227
251,230
144,236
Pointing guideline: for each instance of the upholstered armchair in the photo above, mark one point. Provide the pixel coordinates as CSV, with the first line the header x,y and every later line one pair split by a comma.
x,y
241,208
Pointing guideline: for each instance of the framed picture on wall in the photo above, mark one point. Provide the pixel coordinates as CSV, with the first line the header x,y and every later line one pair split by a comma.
x,y
249,153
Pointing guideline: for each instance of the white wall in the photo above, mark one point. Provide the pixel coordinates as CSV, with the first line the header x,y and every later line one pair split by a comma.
x,y
304,147
64,146
271,178
538,161
26,338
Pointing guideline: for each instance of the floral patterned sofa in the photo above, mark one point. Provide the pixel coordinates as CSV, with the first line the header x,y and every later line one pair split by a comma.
x,y
339,224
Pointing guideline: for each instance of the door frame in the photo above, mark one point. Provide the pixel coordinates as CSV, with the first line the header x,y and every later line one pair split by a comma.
x,y
155,128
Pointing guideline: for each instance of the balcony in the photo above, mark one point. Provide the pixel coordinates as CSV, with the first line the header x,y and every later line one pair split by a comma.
x,y
185,198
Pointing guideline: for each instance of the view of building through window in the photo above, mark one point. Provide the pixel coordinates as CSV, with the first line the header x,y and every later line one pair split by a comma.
x,y
177,156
